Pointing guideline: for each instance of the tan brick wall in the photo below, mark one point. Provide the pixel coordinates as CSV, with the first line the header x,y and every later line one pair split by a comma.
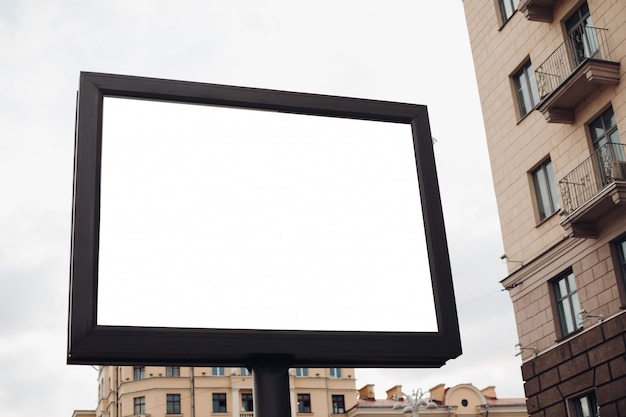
x,y
587,359
597,282
516,146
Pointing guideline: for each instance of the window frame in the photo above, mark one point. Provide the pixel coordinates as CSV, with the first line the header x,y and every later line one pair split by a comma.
x,y
580,34
506,15
609,134
219,402
245,371
218,371
304,403
335,373
249,400
302,372
127,345
618,250
172,404
621,257
576,407
525,88
567,306
338,404
172,371
139,373
545,184
141,403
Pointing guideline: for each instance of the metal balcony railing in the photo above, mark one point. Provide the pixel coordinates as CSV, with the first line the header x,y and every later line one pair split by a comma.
x,y
246,414
584,43
603,167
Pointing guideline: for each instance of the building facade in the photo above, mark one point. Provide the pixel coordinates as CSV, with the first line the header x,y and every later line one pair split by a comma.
x,y
157,391
176,391
460,400
550,76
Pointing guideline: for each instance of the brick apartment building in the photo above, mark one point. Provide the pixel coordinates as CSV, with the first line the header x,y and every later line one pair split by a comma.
x,y
550,75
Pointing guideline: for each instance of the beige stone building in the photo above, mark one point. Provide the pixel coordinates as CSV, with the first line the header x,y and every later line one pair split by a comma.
x,y
157,391
154,391
550,75
460,400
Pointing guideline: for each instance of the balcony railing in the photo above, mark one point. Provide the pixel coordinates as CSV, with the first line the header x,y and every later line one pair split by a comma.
x,y
584,43
246,414
603,167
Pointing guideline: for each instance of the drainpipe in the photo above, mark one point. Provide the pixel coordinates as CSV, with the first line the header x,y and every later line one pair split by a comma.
x,y
115,390
328,403
193,394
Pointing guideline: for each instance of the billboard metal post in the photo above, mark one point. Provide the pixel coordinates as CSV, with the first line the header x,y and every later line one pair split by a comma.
x,y
271,388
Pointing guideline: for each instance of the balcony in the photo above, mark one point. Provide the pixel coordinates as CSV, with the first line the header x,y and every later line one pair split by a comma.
x,y
593,190
573,71
537,10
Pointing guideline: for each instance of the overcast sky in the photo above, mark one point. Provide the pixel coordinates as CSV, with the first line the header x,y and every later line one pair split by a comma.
x,y
413,51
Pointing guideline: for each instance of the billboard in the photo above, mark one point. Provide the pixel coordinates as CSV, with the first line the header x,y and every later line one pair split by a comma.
x,y
220,225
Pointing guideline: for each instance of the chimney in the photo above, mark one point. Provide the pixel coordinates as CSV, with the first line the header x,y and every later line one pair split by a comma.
x,y
367,392
489,392
395,393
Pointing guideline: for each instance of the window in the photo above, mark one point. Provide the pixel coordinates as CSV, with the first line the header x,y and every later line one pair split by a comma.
x,y
335,373
526,89
585,406
302,371
245,372
172,371
621,256
603,129
219,403
507,8
304,403
139,372
247,404
607,144
581,35
173,403
338,404
545,190
216,371
567,303
140,405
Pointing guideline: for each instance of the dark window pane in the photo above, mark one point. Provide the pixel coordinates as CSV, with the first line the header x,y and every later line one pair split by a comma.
x,y
304,403
173,403
219,403
567,302
545,190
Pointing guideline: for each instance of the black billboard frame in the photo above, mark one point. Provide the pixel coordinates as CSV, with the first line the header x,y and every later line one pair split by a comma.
x,y
90,343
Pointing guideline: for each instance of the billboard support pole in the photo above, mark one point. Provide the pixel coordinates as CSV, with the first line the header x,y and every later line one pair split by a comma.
x,y
271,388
